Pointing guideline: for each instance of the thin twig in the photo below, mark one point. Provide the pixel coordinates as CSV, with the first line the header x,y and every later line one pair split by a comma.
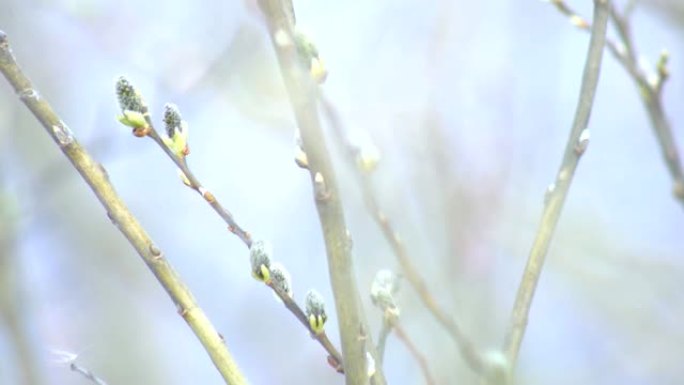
x,y
650,91
335,358
95,176
384,288
557,192
14,298
422,361
356,341
385,330
87,374
67,358
465,346
195,184
390,321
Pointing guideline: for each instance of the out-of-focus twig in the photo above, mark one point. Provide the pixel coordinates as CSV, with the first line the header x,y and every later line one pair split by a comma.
x,y
13,297
385,331
87,374
650,86
558,191
410,272
392,323
195,184
96,177
383,291
69,359
356,340
422,361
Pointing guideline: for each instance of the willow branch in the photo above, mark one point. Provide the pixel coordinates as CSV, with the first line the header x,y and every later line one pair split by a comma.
x,y
95,176
335,359
13,298
465,346
650,90
195,184
87,374
558,191
68,359
384,332
390,321
356,340
413,349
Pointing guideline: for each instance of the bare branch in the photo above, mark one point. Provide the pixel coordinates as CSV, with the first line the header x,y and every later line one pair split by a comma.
x,y
14,298
383,290
195,184
66,358
557,192
385,331
465,346
87,374
650,90
422,361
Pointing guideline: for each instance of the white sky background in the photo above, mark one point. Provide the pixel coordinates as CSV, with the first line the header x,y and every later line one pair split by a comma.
x,y
501,86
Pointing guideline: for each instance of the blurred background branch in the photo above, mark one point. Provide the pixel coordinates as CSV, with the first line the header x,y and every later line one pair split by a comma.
x,y
363,159
14,298
649,86
66,358
383,290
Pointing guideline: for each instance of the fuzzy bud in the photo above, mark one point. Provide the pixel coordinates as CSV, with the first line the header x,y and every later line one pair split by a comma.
x,y
260,258
176,130
315,311
129,97
367,157
383,288
133,108
280,279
